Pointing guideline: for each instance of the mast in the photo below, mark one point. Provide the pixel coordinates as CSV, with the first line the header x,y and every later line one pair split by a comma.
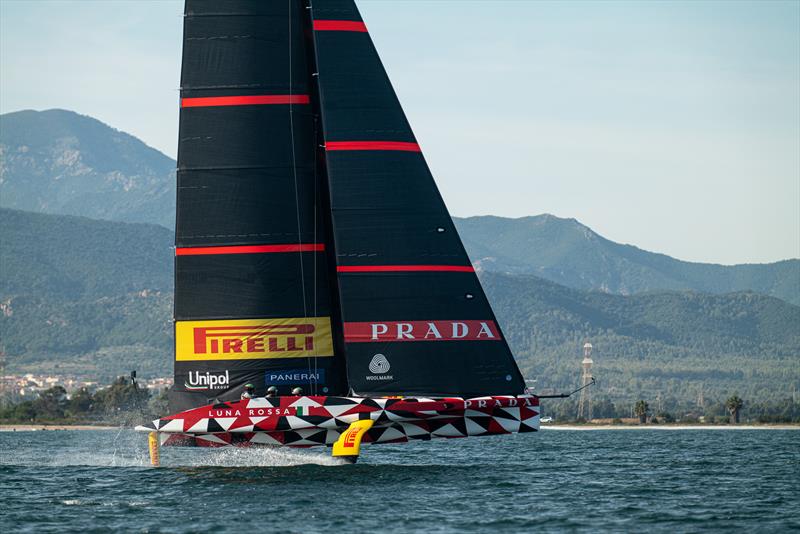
x,y
415,318
337,325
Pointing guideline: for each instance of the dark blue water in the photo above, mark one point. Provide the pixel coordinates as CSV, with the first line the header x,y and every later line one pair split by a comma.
x,y
556,480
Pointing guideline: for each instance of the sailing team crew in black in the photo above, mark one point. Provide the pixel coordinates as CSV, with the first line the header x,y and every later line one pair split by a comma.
x,y
272,391
249,391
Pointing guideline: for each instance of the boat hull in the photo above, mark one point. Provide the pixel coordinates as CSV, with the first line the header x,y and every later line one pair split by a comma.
x,y
309,421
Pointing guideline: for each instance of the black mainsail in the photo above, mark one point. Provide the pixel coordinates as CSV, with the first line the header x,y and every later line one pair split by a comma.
x,y
416,320
252,299
313,247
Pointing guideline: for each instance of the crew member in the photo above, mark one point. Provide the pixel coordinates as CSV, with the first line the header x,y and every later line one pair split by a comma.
x,y
272,391
297,391
249,391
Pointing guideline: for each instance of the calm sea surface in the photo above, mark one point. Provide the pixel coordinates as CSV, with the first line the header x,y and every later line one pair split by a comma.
x,y
553,481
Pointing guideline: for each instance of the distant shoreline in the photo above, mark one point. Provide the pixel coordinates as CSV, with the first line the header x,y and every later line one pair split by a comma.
x,y
777,426
36,428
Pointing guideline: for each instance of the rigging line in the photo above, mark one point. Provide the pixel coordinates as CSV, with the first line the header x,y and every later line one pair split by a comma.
x,y
296,193
294,165
314,377
316,193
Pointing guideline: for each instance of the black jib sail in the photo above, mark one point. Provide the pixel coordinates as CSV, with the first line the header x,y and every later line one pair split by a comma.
x,y
416,320
252,299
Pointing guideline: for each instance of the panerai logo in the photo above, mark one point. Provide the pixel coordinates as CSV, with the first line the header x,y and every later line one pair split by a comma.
x,y
200,382
294,376
379,365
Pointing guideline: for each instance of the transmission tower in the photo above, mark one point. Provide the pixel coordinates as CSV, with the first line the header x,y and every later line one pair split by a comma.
x,y
701,399
3,392
585,402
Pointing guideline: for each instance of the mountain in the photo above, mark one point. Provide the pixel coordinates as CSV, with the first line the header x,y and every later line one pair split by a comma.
x,y
94,298
58,161
571,254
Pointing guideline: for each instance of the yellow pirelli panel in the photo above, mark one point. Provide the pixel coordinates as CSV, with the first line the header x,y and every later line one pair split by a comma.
x,y
253,339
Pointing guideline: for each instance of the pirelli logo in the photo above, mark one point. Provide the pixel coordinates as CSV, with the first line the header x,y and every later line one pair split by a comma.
x,y
253,339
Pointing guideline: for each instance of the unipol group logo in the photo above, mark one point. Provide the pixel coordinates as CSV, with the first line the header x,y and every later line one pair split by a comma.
x,y
394,331
204,381
379,366
247,339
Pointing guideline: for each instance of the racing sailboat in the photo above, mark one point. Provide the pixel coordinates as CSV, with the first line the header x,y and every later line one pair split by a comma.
x,y
313,250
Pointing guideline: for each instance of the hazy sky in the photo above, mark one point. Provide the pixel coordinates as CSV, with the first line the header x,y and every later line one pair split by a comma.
x,y
673,126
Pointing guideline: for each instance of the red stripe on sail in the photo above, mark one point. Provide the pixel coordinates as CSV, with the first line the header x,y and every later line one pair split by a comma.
x,y
248,100
249,249
339,26
372,145
404,268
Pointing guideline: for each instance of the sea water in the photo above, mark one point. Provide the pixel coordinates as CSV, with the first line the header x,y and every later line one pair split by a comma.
x,y
550,481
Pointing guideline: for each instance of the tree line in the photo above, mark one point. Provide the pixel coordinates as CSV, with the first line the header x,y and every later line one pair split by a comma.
x,y
732,409
123,402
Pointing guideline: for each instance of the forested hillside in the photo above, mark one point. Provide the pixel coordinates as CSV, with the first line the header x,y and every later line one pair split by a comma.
x,y
94,298
571,254
75,257
673,343
84,296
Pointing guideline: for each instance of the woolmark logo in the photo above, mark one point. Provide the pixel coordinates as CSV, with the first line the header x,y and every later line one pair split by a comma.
x,y
200,382
379,365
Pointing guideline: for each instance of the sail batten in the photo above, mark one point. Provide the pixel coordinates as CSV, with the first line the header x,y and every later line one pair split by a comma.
x,y
340,25
401,146
404,268
243,100
250,249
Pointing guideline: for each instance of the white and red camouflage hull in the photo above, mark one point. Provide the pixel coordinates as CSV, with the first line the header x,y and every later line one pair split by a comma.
x,y
309,421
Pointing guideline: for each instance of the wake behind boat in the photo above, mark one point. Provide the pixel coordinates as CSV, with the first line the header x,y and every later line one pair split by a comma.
x,y
313,249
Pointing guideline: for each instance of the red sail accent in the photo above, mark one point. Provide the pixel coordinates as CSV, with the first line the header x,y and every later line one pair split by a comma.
x,y
391,331
403,268
249,249
339,25
248,100
372,145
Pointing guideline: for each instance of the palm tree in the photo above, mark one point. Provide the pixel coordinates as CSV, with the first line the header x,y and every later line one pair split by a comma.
x,y
734,404
640,408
